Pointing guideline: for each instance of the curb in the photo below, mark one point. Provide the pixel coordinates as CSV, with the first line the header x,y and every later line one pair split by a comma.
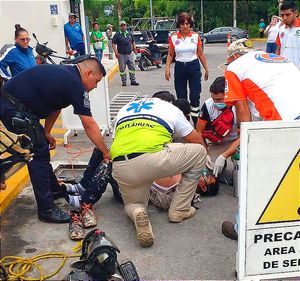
x,y
15,185
258,39
113,71
20,178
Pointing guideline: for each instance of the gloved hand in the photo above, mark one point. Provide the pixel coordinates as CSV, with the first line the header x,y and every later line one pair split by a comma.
x,y
209,164
219,165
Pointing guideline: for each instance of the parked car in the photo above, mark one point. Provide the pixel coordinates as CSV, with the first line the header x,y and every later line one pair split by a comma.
x,y
219,34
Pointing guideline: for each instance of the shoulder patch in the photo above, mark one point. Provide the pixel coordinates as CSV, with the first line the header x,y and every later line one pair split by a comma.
x,y
86,100
270,58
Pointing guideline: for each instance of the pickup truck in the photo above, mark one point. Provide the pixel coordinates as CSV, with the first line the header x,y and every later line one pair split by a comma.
x,y
162,28
170,25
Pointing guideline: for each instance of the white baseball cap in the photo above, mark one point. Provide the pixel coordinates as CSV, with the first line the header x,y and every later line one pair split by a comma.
x,y
240,46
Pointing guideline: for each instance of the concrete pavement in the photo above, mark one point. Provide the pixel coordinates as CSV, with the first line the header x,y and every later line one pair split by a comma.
x,y
192,250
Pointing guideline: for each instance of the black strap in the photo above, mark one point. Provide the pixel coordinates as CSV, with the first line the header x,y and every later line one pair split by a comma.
x,y
129,156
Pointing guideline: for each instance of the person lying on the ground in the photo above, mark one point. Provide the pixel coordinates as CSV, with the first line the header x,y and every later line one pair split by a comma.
x,y
217,125
260,86
86,185
87,192
162,190
143,144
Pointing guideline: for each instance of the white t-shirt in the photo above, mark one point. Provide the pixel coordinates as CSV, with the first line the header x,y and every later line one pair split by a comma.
x,y
270,84
273,32
146,126
185,48
289,41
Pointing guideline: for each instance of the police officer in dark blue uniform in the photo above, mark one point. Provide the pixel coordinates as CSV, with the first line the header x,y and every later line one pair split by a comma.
x,y
40,93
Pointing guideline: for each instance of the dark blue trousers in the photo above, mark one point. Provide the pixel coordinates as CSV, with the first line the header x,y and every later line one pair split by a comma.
x,y
94,162
80,48
271,48
96,178
42,177
184,73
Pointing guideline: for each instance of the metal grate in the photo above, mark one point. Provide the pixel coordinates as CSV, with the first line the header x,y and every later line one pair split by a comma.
x,y
120,100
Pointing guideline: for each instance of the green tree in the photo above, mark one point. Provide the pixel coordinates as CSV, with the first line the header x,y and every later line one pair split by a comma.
x,y
216,13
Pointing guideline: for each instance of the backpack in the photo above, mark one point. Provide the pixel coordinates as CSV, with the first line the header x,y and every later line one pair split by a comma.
x,y
216,130
13,149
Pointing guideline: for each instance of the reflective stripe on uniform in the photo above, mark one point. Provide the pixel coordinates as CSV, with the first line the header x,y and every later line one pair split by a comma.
x,y
195,111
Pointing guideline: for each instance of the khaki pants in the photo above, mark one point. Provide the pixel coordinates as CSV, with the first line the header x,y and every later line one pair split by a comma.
x,y
135,176
216,149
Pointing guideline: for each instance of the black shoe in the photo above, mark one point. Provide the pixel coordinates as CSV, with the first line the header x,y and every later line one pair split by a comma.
x,y
55,215
134,83
229,231
124,84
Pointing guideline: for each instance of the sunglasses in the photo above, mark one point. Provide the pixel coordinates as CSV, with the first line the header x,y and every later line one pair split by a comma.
x,y
25,39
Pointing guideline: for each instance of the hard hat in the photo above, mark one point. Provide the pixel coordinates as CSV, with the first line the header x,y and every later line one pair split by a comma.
x,y
240,46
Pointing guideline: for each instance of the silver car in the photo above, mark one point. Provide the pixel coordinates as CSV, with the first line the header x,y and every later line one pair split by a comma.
x,y
220,34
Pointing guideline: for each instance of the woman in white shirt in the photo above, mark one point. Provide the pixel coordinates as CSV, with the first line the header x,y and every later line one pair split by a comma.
x,y
272,32
185,45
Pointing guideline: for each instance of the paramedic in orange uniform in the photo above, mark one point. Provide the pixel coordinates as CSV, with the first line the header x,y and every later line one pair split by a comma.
x,y
261,86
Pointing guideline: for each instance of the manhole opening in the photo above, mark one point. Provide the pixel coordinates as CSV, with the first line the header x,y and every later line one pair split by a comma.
x,y
70,173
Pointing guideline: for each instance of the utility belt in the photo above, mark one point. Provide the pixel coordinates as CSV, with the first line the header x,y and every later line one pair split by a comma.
x,y
187,63
15,101
24,121
24,116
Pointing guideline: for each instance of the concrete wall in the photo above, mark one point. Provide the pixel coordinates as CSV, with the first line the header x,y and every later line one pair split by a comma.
x,y
35,16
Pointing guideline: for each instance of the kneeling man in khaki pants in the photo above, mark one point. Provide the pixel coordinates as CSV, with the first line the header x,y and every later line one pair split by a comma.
x,y
142,151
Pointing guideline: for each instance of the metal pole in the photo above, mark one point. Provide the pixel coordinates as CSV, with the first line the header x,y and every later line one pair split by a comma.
x,y
119,7
279,6
201,2
151,15
234,13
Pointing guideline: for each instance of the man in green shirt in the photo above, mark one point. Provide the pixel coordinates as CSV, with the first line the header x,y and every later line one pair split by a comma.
x,y
97,39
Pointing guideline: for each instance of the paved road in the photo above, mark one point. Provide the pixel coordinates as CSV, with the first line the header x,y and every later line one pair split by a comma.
x,y
192,250
153,79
